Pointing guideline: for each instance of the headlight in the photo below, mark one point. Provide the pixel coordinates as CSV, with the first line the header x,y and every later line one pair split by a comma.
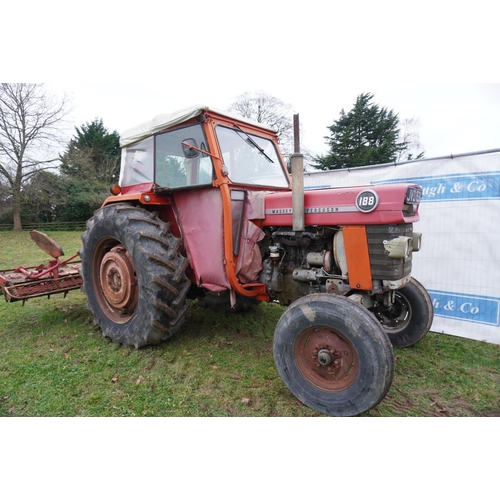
x,y
398,248
417,241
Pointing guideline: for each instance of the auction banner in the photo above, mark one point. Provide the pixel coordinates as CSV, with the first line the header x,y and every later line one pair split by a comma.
x,y
459,262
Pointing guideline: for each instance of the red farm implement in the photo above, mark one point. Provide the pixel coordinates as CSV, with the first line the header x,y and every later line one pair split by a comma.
x,y
57,276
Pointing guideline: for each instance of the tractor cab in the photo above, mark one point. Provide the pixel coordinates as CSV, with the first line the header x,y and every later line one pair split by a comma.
x,y
200,147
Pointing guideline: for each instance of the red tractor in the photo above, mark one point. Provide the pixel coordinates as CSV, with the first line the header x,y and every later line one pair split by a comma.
x,y
205,210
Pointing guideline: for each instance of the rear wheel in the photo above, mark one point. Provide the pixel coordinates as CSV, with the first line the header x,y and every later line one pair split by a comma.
x,y
134,276
410,317
333,355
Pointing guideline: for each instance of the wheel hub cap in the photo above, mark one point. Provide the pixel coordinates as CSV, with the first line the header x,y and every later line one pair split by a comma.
x,y
118,280
325,357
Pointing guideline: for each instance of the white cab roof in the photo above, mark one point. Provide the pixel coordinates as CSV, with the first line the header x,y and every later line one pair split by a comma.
x,y
166,120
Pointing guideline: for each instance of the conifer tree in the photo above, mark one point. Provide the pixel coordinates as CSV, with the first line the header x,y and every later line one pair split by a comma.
x,y
93,154
366,135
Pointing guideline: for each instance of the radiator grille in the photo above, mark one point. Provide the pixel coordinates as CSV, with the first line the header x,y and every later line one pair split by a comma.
x,y
383,267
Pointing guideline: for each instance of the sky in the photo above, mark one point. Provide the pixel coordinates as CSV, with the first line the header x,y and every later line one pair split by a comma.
x,y
126,63
454,118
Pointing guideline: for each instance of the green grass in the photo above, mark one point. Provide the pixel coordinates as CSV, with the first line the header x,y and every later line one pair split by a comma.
x,y
55,362
18,249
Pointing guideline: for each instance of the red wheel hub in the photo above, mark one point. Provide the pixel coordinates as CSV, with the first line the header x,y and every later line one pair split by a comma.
x,y
118,280
326,359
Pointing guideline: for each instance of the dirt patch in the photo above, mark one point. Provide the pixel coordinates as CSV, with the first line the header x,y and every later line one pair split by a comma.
x,y
428,403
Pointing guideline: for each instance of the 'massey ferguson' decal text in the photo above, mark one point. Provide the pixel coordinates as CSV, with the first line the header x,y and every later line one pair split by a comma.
x,y
311,210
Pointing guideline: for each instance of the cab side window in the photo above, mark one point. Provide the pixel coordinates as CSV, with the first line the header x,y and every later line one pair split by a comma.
x,y
137,163
176,169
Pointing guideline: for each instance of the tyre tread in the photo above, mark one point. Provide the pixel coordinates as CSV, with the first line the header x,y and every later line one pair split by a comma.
x,y
160,268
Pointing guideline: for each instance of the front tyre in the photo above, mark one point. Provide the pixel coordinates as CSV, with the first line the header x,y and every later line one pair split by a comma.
x,y
410,317
134,276
333,355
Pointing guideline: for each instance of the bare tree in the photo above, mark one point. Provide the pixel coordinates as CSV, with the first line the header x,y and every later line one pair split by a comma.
x,y
30,120
275,114
270,111
409,135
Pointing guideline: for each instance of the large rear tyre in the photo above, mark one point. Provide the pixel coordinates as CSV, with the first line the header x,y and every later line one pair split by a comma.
x,y
410,318
134,276
333,355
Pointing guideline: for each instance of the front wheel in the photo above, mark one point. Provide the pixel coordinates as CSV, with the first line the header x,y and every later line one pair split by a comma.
x,y
333,355
410,317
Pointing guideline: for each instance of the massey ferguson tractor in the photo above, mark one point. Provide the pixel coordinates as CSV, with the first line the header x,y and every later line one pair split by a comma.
x,y
205,210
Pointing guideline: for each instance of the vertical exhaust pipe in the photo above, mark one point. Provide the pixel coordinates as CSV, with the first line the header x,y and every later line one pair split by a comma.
x,y
297,164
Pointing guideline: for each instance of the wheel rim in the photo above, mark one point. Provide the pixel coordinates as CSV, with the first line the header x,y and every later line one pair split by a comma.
x,y
326,359
114,274
396,318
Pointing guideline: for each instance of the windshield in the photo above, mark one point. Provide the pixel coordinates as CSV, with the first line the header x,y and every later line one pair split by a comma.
x,y
251,159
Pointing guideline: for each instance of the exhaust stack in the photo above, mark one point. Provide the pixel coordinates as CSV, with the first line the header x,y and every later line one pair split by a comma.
x,y
297,164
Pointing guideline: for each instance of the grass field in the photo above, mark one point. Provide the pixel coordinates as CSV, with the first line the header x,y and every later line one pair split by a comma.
x,y
55,362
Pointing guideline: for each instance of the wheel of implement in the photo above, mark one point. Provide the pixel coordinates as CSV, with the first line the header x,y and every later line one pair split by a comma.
x,y
134,276
409,319
333,355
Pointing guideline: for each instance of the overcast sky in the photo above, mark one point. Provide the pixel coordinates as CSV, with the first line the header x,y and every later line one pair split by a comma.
x,y
454,118
150,58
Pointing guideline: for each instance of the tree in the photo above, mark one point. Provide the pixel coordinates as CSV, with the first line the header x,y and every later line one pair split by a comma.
x,y
409,135
41,197
80,200
268,110
366,135
5,205
93,154
30,121
50,197
274,114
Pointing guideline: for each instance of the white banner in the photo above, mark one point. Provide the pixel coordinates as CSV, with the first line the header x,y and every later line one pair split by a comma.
x,y
459,262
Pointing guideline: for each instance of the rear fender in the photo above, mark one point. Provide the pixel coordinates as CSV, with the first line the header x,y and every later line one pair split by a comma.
x,y
152,202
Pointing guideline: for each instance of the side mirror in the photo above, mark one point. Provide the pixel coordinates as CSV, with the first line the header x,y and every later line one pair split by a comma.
x,y
189,148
